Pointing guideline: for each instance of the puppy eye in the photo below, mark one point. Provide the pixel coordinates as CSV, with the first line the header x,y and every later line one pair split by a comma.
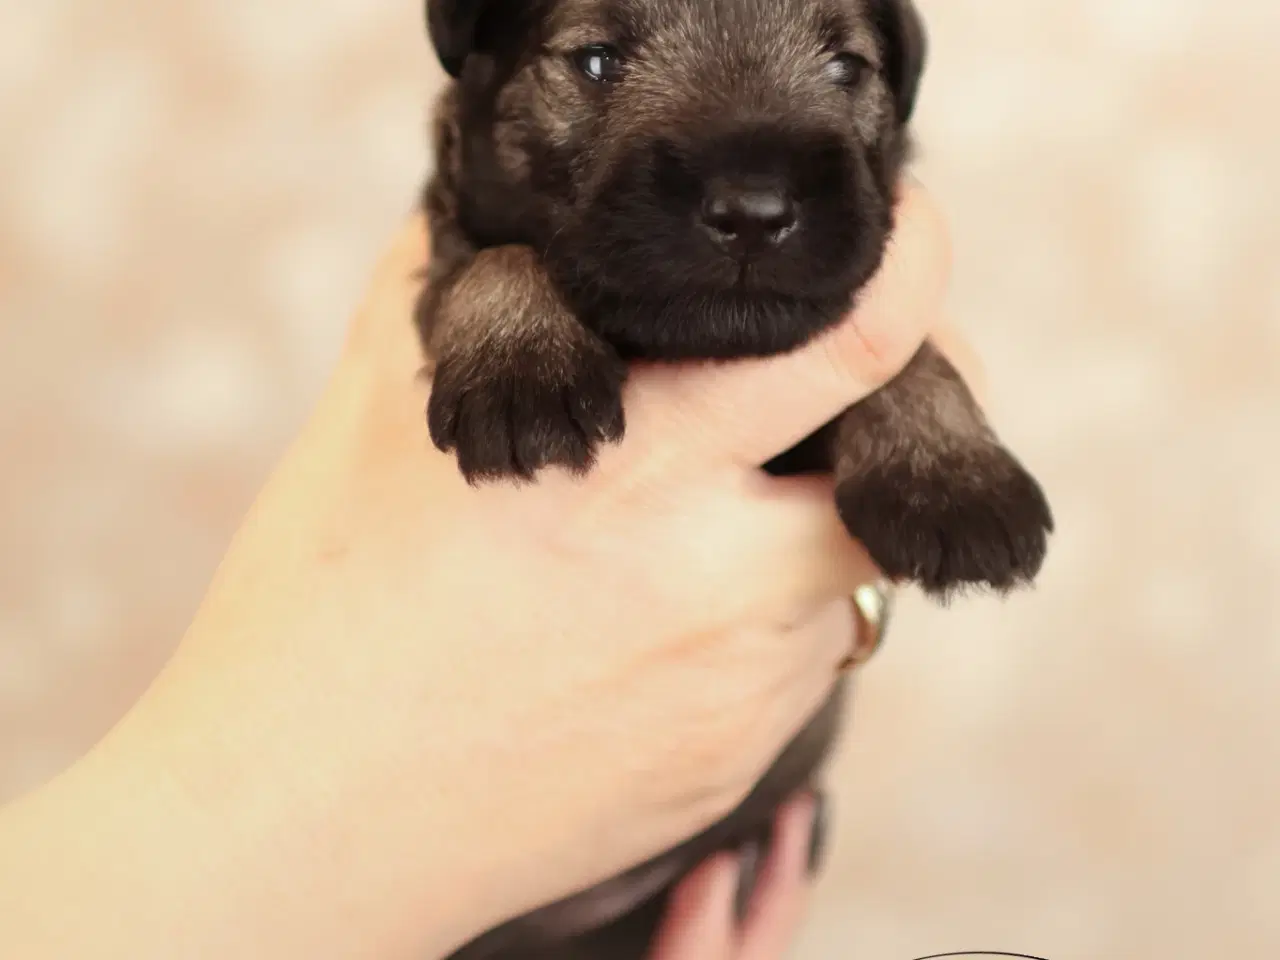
x,y
599,62
847,70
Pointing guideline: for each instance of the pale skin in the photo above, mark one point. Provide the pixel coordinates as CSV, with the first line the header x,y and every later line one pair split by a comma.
x,y
409,709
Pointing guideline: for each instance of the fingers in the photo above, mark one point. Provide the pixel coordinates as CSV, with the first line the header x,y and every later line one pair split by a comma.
x,y
700,921
782,890
700,924
804,664
800,551
749,411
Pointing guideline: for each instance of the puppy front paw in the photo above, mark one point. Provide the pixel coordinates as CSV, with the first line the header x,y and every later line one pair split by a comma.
x,y
513,409
976,518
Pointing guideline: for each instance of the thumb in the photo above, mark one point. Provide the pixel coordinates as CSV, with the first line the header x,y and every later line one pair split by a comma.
x,y
748,411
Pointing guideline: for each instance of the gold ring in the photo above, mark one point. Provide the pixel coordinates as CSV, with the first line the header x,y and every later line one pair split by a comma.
x,y
872,606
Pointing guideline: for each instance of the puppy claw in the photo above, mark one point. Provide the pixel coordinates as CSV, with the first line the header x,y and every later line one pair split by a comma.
x,y
509,420
978,520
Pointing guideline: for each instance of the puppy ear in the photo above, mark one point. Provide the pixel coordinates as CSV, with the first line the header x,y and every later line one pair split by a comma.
x,y
452,25
906,46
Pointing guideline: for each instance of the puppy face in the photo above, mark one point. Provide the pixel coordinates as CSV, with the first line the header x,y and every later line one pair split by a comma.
x,y
701,177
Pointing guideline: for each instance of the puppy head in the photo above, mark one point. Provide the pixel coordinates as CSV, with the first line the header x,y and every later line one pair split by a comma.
x,y
702,177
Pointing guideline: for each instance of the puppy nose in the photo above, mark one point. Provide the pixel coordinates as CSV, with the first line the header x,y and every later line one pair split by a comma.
x,y
752,214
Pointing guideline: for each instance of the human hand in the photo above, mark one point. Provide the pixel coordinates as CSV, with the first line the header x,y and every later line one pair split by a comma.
x,y
474,659
409,708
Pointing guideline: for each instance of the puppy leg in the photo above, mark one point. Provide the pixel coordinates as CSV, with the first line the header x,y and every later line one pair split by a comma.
x,y
925,485
518,383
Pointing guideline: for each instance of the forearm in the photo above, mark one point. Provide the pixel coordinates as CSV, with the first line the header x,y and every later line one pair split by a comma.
x,y
105,863
286,789
185,834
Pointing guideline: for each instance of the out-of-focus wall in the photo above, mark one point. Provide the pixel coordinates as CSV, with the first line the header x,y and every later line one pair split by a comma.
x,y
190,198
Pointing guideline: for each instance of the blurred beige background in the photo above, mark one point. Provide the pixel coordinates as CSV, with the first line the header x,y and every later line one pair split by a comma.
x,y
190,198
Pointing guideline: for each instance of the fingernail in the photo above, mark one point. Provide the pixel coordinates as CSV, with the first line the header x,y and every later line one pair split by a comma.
x,y
818,833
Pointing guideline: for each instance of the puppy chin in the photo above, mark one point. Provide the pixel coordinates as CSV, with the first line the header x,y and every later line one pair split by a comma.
x,y
709,325
674,304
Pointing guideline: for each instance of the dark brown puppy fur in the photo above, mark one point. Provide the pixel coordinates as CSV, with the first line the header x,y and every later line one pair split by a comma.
x,y
675,179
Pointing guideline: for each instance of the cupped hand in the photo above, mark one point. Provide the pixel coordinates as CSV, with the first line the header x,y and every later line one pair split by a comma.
x,y
459,703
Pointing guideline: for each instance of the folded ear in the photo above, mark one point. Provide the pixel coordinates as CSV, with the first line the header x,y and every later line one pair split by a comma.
x,y
452,25
906,46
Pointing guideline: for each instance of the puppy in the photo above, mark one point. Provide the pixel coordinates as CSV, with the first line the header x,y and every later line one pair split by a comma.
x,y
691,179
